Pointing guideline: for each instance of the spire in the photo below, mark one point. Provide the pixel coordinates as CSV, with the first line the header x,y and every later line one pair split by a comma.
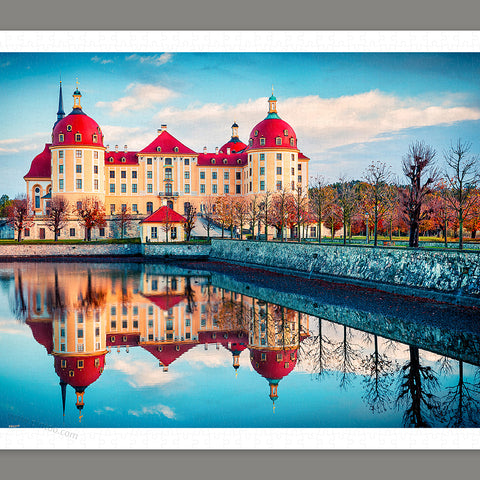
x,y
60,113
63,386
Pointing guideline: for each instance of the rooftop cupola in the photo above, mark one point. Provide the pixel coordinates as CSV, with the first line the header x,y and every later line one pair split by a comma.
x,y
234,130
76,98
272,106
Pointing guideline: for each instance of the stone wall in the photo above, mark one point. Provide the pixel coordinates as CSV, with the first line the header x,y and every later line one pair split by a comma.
x,y
409,271
194,251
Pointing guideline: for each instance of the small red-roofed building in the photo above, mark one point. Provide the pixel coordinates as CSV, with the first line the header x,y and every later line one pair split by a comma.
x,y
163,225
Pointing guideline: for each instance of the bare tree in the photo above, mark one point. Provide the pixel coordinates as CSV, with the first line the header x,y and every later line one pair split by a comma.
x,y
419,168
348,201
19,215
124,220
209,213
57,215
167,223
91,214
253,213
240,209
300,209
462,178
190,218
264,211
376,189
321,196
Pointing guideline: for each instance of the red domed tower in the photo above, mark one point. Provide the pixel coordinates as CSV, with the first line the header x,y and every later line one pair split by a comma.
x,y
78,154
273,156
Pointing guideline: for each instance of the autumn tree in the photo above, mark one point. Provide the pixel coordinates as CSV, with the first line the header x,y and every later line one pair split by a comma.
x,y
280,212
224,213
376,190
441,211
209,213
57,215
19,215
300,210
472,223
240,213
419,168
123,220
190,215
91,213
463,178
348,203
332,215
254,213
265,205
321,196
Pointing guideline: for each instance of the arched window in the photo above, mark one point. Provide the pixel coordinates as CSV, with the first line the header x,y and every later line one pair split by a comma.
x,y
175,149
69,128
168,173
37,197
149,207
170,204
159,149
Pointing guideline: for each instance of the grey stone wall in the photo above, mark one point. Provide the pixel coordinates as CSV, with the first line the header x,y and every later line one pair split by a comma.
x,y
448,272
176,250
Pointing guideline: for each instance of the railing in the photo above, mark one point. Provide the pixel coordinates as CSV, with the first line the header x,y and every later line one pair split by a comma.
x,y
168,194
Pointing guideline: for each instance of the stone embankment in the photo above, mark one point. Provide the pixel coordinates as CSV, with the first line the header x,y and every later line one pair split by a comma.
x,y
441,274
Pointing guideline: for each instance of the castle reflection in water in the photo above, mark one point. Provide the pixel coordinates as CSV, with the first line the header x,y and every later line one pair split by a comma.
x,y
80,314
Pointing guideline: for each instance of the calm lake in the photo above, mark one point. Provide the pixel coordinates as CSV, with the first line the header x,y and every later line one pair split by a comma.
x,y
173,345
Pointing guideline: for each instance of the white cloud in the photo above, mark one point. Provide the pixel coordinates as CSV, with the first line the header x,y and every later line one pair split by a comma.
x,y
26,144
198,356
142,373
159,409
141,97
103,61
156,60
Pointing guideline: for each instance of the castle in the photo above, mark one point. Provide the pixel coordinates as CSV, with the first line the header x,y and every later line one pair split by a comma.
x,y
76,165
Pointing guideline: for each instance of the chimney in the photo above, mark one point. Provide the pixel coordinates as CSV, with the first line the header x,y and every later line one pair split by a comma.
x,y
228,151
125,148
216,150
204,150
108,148
163,127
159,131
116,148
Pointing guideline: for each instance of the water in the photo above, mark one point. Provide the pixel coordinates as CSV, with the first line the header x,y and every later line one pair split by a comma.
x,y
137,345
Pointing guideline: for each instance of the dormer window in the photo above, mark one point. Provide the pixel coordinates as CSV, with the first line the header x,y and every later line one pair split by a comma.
x,y
285,132
292,141
69,128
123,159
78,137
278,141
159,149
94,138
60,137
175,149
250,142
110,159
212,161
239,161
256,133
262,141
225,161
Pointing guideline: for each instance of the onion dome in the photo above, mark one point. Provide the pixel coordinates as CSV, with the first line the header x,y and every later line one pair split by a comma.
x,y
234,145
41,166
43,333
272,132
77,128
167,353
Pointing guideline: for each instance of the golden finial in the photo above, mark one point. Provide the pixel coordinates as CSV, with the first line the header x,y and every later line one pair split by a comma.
x,y
272,88
77,83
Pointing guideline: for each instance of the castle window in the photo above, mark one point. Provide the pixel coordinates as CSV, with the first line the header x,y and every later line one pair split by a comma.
x,y
95,155
187,175
292,141
262,156
123,188
285,132
153,232
239,161
149,188
262,185
26,232
69,128
112,208
279,170
112,173
78,137
286,365
159,149
187,188
149,160
262,141
299,179
238,175
214,188
279,185
110,159
123,160
71,373
263,357
168,174
279,357
186,161
72,232
63,364
95,169
78,153
78,168
123,174
202,175
226,175
149,207
202,188
214,175
101,232
256,133
250,142
94,138
60,154
279,156
149,174
226,189
293,157
168,161
60,137
212,161
299,167
134,188
134,174
278,141
292,356
225,161
60,169
134,205
79,205
97,362
175,149
79,363
79,183
262,170
60,184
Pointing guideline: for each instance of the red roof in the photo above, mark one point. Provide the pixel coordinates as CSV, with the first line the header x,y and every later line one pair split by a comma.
x,y
221,160
82,377
224,337
115,339
167,144
160,216
234,144
165,301
121,158
270,129
169,351
41,166
43,333
301,156
77,122
271,368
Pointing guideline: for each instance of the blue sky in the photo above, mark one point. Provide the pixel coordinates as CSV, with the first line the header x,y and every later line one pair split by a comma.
x,y
346,108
